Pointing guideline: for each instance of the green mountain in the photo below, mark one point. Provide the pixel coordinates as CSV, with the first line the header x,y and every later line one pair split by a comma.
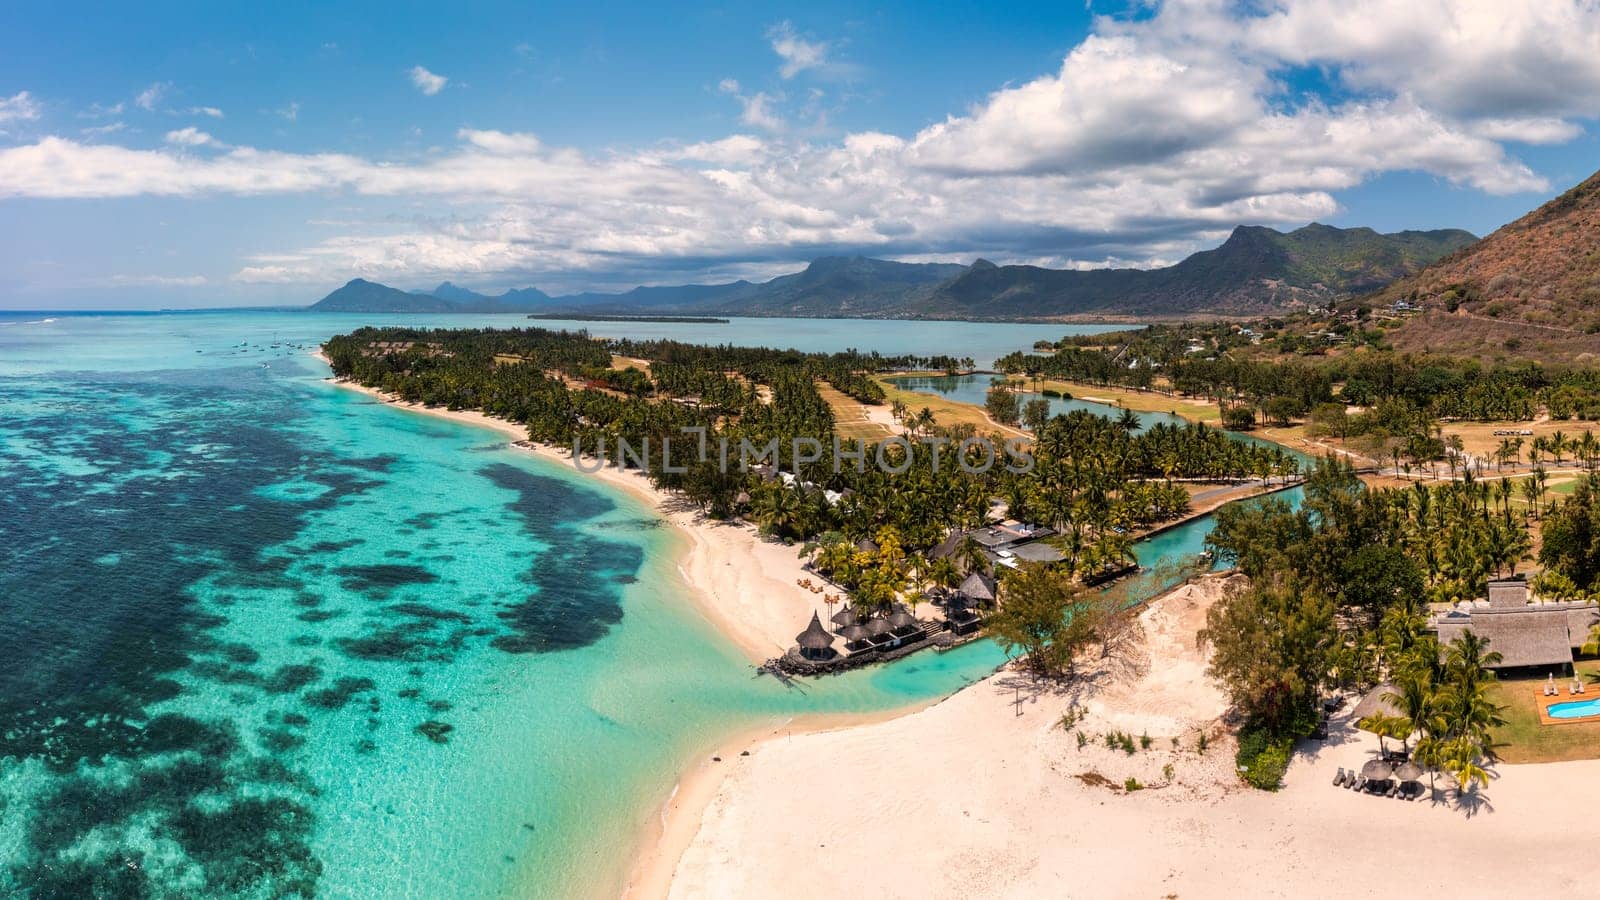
x,y
363,296
1257,270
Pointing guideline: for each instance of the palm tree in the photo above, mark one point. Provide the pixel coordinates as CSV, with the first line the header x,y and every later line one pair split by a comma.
x,y
1415,701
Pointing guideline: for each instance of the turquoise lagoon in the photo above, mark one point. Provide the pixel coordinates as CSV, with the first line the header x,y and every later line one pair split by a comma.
x,y
264,636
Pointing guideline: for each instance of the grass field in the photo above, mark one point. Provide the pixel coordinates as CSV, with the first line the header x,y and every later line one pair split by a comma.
x,y
623,362
947,412
851,419
1525,740
1140,401
1479,438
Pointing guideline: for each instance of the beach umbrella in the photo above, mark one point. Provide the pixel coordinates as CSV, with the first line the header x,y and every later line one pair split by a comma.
x,y
1409,771
1377,770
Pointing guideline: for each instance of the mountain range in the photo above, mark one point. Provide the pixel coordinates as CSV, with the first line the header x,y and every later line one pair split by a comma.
x,y
1256,270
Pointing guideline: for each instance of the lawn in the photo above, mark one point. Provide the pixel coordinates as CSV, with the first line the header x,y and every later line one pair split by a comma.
x,y
946,412
1479,438
1141,401
850,416
1525,740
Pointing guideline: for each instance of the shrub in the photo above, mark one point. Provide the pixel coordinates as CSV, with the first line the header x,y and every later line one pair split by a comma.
x,y
1166,772
1132,784
1144,741
1262,758
1083,739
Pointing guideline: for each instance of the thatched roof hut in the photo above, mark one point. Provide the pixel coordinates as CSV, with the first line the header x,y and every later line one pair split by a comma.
x,y
978,587
902,618
876,626
815,642
947,548
866,545
1376,703
846,617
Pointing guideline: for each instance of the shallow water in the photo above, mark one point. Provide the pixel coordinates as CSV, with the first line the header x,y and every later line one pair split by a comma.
x,y
262,635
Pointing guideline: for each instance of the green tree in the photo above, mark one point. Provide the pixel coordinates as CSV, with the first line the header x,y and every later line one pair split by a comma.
x,y
1035,413
1002,405
1046,616
1571,538
1270,651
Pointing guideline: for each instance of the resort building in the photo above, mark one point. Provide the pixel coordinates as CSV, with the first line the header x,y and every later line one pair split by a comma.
x,y
1007,544
1527,634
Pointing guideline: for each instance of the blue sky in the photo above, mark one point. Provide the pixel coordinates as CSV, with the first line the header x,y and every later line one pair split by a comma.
x,y
199,155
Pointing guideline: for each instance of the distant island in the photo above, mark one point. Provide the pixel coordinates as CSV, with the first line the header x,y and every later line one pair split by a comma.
x,y
1256,271
601,317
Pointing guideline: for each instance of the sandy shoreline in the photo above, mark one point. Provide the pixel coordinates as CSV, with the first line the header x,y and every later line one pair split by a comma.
x,y
743,584
986,794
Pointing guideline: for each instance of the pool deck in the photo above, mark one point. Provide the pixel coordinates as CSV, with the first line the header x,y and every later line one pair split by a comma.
x,y
1565,696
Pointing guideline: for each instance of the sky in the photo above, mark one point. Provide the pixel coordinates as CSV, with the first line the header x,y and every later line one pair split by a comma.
x,y
197,155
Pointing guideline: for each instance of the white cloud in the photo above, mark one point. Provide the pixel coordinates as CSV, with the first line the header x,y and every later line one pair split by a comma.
x,y
427,82
797,53
150,96
96,111
274,275
18,107
290,112
190,137
1528,130
152,281
211,111
1154,136
500,143
101,130
755,109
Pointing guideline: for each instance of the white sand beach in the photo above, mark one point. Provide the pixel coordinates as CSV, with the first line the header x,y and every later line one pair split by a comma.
x,y
745,585
986,795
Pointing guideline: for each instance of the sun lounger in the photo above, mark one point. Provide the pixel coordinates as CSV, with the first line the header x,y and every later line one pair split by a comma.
x,y
1338,780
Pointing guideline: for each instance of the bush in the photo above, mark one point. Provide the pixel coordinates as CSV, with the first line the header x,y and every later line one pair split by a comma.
x,y
1144,741
1262,758
1132,784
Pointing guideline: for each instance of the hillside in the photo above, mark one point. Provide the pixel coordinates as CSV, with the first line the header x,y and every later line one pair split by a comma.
x,y
1532,287
362,296
1257,270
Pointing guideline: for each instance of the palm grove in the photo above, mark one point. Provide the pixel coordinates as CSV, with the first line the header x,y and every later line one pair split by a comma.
x,y
1095,480
1338,598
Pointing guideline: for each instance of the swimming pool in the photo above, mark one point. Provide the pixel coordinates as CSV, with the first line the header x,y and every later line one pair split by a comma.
x,y
1576,709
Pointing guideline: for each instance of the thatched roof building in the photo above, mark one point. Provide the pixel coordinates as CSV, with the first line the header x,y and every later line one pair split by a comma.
x,y
1526,636
1376,702
978,587
815,642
